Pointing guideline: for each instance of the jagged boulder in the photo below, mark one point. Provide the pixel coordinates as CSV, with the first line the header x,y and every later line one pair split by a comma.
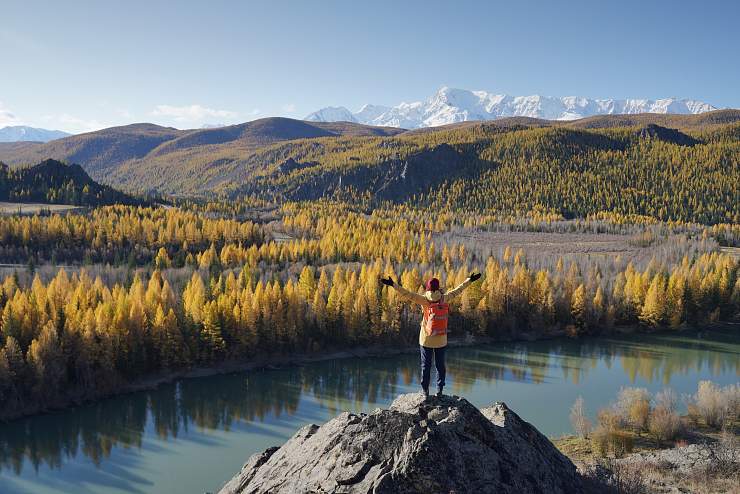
x,y
441,445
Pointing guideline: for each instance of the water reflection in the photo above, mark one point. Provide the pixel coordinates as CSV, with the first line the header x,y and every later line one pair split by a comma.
x,y
219,402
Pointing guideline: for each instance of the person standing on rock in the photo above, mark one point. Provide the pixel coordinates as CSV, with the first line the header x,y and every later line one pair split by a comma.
x,y
433,333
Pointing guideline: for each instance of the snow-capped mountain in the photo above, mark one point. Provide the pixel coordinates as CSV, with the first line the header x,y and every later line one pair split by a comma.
x,y
333,114
22,133
450,105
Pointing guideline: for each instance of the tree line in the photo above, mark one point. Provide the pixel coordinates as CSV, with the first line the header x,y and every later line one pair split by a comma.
x,y
119,235
76,337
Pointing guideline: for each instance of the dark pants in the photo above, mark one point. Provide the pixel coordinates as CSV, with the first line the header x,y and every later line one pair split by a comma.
x,y
426,365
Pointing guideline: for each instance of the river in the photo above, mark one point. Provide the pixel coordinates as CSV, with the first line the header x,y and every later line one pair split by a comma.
x,y
192,435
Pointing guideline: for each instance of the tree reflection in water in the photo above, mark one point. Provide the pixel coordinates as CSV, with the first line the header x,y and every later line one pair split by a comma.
x,y
217,402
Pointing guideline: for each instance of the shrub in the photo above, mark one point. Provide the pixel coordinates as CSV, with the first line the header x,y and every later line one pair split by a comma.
x,y
581,424
609,419
665,424
621,443
633,406
639,414
716,406
692,412
600,442
667,399
610,476
707,402
732,400
618,442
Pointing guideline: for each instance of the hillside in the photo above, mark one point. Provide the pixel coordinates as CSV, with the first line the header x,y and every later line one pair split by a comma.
x,y
665,166
149,156
650,170
54,182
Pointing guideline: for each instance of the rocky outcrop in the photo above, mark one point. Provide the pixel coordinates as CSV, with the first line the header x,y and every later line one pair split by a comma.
x,y
441,445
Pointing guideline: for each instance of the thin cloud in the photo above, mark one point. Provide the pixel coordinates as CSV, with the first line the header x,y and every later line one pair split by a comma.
x,y
124,113
192,113
289,108
7,117
73,124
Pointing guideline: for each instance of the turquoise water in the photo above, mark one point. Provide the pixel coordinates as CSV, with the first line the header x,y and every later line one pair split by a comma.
x,y
194,434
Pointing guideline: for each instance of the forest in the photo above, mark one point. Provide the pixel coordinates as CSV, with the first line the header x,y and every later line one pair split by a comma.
x,y
54,182
668,167
194,288
568,172
577,231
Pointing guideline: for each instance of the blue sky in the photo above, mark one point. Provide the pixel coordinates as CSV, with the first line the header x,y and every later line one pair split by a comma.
x,y
77,65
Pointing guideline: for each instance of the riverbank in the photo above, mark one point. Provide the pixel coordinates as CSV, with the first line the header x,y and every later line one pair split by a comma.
x,y
211,424
701,460
267,362
710,465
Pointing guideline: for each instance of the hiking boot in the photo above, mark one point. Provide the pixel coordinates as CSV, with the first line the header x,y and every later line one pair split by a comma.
x,y
439,393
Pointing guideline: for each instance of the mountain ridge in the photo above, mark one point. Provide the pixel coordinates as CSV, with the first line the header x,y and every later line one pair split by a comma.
x,y
282,159
451,105
23,133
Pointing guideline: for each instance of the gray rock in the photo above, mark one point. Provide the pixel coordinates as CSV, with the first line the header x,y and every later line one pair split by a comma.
x,y
441,445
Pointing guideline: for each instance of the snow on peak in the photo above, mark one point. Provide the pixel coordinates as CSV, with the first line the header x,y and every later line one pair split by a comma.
x,y
331,114
23,133
451,105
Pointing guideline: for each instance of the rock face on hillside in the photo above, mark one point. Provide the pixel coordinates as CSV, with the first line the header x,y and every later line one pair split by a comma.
x,y
442,445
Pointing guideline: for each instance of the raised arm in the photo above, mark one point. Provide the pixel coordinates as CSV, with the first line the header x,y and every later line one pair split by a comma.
x,y
405,294
462,286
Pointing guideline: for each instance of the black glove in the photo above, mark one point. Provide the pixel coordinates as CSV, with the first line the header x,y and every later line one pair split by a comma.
x,y
387,282
474,276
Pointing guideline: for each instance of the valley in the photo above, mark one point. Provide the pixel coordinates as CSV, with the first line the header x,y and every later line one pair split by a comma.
x,y
414,247
241,248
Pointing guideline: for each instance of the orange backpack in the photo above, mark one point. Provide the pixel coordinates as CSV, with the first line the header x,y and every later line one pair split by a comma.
x,y
435,318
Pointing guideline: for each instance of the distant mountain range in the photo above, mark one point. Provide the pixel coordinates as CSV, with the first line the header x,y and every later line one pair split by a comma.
x,y
299,159
450,105
21,133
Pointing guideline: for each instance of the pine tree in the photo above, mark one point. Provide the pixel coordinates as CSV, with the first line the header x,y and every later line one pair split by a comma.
x,y
598,305
211,334
7,388
578,307
46,363
162,260
654,307
194,298
676,299
307,283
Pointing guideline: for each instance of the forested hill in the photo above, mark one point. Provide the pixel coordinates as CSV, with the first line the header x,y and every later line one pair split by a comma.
x,y
670,167
165,157
54,182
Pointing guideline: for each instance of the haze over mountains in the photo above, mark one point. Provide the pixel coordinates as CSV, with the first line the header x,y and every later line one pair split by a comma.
x,y
451,105
22,133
